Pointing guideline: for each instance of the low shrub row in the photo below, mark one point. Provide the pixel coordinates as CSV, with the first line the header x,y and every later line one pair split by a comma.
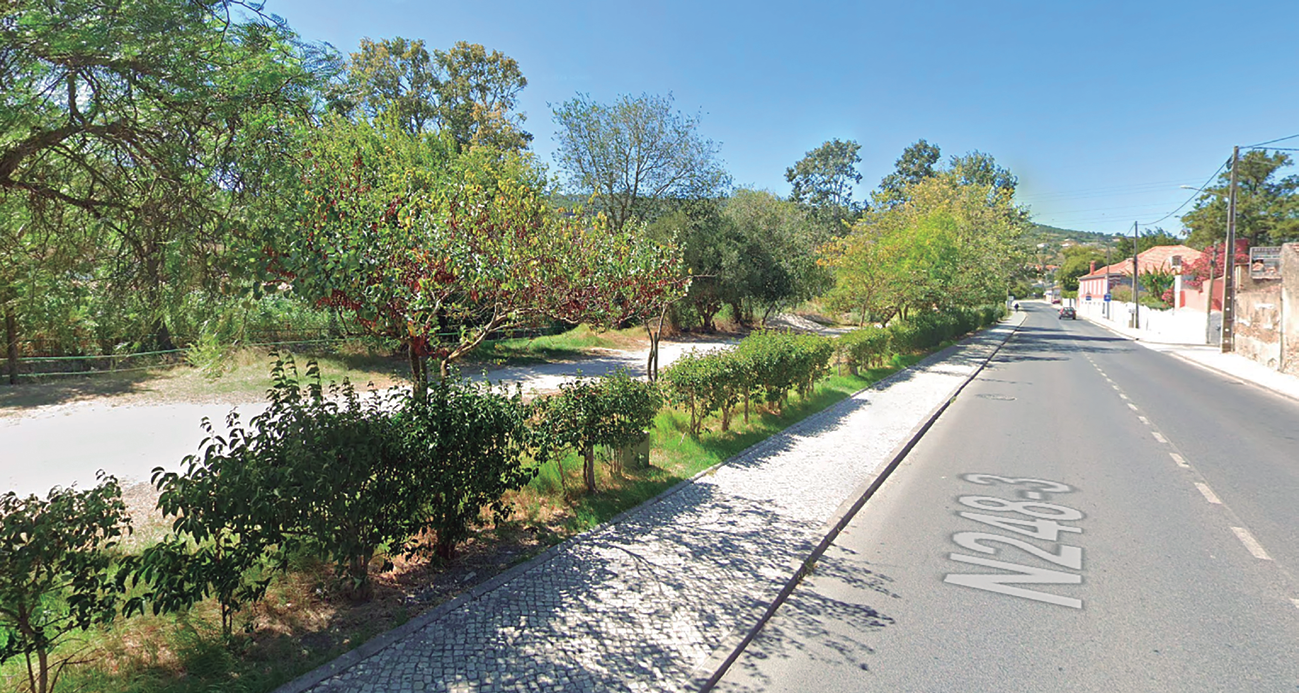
x,y
871,346
764,367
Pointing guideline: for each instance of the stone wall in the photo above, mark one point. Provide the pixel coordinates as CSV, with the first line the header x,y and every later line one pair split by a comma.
x,y
1267,315
1290,308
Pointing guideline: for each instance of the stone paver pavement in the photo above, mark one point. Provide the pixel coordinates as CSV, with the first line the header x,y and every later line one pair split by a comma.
x,y
644,602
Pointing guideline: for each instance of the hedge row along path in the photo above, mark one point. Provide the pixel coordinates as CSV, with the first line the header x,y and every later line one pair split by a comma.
x,y
655,600
65,444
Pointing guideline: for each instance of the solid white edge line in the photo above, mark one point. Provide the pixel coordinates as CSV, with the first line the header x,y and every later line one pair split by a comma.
x,y
1159,437
1181,461
1251,543
1209,495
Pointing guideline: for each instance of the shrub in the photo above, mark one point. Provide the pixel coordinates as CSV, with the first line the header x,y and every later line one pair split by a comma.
x,y
59,572
614,411
864,347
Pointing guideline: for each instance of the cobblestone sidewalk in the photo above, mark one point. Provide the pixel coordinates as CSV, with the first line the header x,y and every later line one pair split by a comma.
x,y
642,603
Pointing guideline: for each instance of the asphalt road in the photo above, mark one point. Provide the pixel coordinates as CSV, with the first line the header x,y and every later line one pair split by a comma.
x,y
1137,530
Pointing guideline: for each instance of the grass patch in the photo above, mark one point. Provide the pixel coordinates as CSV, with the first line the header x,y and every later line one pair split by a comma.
x,y
566,346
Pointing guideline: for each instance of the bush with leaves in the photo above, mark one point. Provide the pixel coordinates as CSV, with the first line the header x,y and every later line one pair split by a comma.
x,y
465,444
864,347
614,411
697,382
337,477
59,572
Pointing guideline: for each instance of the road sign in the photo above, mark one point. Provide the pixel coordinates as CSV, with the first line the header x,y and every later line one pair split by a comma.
x,y
1107,297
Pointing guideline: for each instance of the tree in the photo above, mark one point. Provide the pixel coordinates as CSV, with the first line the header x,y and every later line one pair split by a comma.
x,y
437,250
823,180
58,572
978,168
917,163
1267,206
395,77
777,250
477,95
466,90
1077,263
135,121
634,151
949,244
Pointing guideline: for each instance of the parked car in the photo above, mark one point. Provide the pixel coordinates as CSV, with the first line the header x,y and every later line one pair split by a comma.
x,y
1068,312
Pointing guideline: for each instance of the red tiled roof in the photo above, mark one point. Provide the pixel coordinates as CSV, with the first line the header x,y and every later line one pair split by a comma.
x,y
1159,257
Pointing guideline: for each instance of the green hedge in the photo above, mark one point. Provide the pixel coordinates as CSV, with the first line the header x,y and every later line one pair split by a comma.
x,y
765,366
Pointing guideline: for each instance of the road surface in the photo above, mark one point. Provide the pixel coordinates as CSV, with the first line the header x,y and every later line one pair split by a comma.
x,y
1088,515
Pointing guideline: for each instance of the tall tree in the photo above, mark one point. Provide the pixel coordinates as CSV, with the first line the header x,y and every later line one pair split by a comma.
x,y
133,118
823,180
1267,205
918,162
778,250
978,168
635,151
477,96
465,90
395,76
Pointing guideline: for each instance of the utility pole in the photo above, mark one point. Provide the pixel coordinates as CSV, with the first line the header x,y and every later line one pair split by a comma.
x,y
1208,304
1229,264
1108,242
1136,280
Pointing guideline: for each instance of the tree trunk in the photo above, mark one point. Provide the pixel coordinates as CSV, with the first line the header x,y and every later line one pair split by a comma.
x,y
588,467
161,336
11,342
418,375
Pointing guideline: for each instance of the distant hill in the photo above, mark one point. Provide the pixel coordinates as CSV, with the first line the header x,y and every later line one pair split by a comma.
x,y
1043,232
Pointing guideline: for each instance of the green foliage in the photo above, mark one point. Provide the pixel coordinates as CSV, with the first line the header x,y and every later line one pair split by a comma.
x,y
765,366
336,477
634,151
59,572
465,91
1077,263
917,163
437,250
614,411
1267,205
776,251
865,347
823,180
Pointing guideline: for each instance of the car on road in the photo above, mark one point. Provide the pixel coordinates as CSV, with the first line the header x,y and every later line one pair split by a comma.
x,y
1068,312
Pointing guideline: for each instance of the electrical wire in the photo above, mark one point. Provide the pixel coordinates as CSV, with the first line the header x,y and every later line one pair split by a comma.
x,y
1193,195
1279,139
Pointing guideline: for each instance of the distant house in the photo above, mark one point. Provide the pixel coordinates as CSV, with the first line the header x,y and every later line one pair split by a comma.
x,y
1161,258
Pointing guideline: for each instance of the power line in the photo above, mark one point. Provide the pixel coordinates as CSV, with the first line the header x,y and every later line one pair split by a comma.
x,y
1279,139
1193,195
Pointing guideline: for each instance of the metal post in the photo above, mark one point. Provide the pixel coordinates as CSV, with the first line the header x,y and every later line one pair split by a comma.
x,y
1136,280
1208,306
1229,264
1109,243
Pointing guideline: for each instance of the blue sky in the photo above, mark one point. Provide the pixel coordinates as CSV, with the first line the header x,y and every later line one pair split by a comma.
x,y
1102,109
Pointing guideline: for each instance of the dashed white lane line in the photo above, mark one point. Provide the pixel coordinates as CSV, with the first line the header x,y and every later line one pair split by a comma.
x,y
1181,461
1296,603
1209,495
1143,420
1159,437
1123,395
1251,543
1133,407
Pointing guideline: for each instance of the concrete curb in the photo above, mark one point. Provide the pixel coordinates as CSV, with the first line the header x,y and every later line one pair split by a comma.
x,y
725,655
380,642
